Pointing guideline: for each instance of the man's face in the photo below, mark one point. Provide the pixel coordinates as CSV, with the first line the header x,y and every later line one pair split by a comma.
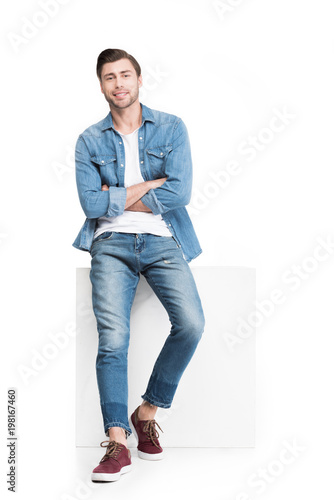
x,y
120,84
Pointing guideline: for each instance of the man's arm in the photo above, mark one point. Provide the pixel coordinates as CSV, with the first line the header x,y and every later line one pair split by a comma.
x,y
96,202
139,206
135,192
176,191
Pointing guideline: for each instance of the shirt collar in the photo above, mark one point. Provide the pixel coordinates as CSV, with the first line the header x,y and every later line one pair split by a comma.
x,y
147,115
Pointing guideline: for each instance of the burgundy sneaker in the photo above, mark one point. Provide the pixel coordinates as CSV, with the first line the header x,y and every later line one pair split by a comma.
x,y
147,436
116,461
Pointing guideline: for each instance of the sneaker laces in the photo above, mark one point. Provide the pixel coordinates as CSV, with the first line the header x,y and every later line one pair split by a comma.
x,y
113,449
151,431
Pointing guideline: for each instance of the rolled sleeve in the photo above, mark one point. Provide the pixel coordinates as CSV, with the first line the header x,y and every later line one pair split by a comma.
x,y
151,201
117,199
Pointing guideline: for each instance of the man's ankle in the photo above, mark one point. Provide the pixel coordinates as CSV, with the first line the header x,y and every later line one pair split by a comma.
x,y
147,411
117,434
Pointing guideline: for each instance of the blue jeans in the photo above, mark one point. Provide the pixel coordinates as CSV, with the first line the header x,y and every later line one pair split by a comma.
x,y
117,260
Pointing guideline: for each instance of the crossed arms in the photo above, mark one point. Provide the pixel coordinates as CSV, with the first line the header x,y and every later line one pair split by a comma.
x,y
156,195
133,202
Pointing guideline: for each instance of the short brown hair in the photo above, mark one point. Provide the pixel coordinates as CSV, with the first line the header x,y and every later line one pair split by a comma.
x,y
112,55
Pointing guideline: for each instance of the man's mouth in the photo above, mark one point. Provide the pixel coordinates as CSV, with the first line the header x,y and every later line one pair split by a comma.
x,y
120,94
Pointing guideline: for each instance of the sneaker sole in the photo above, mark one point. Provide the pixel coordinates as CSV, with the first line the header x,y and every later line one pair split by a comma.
x,y
141,454
98,476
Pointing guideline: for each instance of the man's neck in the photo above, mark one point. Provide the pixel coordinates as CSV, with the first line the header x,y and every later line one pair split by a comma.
x,y
127,120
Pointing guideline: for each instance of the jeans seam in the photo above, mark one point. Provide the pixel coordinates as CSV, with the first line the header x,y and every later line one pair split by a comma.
x,y
161,297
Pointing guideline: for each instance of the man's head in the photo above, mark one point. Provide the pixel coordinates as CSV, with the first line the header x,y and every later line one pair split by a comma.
x,y
120,77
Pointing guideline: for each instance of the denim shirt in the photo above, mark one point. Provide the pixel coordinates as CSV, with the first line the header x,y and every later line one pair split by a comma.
x,y
164,151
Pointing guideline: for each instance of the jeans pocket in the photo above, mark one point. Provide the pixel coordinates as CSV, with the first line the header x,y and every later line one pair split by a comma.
x,y
107,235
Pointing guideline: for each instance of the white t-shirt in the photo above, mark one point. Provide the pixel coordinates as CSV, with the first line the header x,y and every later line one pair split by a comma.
x,y
132,222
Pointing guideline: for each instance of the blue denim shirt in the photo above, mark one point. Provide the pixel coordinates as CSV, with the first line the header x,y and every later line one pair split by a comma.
x,y
164,151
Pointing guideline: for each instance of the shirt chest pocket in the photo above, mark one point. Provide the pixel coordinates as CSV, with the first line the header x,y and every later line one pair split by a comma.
x,y
107,166
157,158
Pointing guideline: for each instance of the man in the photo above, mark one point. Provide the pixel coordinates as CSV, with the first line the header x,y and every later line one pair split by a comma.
x,y
134,177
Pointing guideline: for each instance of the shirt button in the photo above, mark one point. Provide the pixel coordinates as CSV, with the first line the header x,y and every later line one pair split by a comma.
x,y
141,138
169,224
122,165
161,154
102,161
120,142
141,162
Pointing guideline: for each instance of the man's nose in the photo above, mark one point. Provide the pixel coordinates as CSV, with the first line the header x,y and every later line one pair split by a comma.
x,y
118,83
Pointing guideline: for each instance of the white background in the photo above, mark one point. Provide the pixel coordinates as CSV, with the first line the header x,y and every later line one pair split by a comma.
x,y
224,75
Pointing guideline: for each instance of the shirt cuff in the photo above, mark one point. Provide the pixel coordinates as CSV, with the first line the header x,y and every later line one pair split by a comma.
x,y
151,201
117,199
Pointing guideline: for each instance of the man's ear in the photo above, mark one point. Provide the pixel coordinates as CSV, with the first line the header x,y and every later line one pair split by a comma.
x,y
101,87
140,80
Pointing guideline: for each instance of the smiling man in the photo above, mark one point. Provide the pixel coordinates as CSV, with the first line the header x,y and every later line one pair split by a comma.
x,y
134,178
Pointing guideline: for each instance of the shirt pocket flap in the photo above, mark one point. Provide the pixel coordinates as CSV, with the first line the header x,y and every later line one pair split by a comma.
x,y
102,160
160,152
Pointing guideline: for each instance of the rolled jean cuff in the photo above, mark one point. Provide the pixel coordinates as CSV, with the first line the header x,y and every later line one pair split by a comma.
x,y
155,402
165,391
127,429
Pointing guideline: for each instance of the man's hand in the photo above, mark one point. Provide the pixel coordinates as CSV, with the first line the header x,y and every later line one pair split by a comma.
x,y
105,187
